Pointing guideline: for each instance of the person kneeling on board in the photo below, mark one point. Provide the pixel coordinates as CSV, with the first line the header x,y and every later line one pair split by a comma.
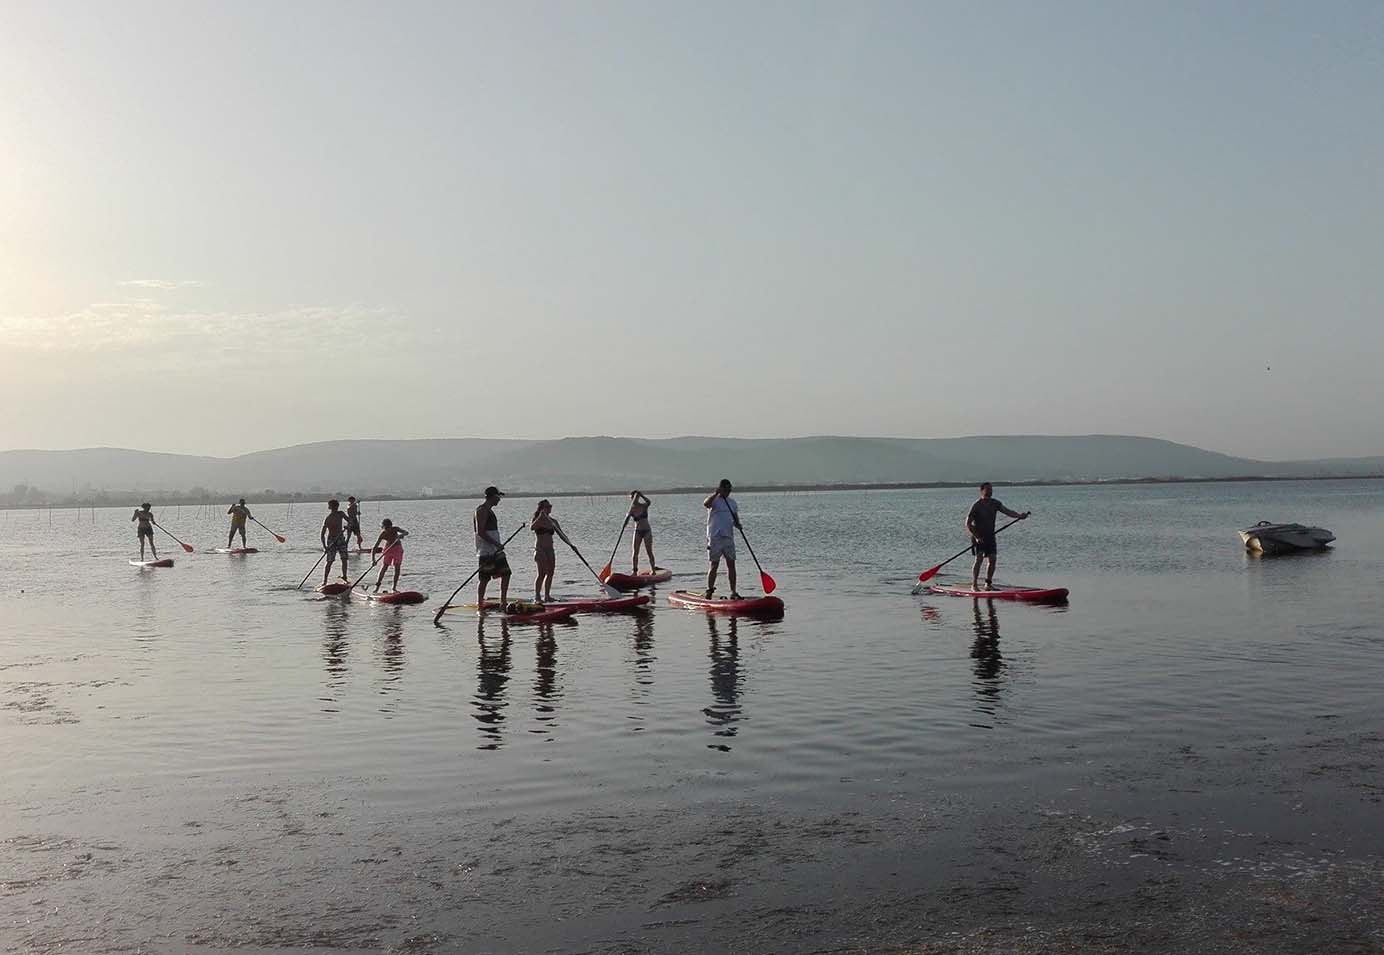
x,y
722,518
392,540
145,515
980,524
333,537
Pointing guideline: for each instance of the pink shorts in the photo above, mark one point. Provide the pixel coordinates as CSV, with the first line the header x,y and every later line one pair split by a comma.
x,y
394,554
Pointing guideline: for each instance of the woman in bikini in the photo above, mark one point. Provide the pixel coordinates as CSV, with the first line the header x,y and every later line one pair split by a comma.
x,y
643,530
544,527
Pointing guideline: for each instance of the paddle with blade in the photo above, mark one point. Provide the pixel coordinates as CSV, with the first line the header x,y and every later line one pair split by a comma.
x,y
765,581
443,609
606,571
931,572
278,537
314,568
185,547
606,589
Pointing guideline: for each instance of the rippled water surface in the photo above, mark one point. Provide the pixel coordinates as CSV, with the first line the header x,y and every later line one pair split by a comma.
x,y
1186,756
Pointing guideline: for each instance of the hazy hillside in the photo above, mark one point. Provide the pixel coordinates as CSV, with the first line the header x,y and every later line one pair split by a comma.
x,y
452,465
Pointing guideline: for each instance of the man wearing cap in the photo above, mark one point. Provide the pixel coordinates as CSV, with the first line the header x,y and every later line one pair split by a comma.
x,y
490,549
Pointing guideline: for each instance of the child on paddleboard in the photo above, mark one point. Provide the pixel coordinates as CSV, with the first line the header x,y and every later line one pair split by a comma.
x,y
643,530
544,526
145,515
333,537
239,515
392,540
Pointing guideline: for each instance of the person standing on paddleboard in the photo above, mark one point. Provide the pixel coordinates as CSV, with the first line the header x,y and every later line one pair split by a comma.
x,y
722,518
643,530
239,515
334,537
145,515
980,524
353,521
544,526
392,540
490,549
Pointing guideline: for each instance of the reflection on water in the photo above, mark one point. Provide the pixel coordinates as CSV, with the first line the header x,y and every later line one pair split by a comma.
x,y
989,662
643,660
492,679
335,620
546,688
391,654
726,680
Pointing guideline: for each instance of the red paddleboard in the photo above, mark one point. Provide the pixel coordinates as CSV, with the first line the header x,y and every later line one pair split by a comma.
x,y
642,579
162,562
765,606
603,604
525,612
334,589
1028,594
393,597
237,550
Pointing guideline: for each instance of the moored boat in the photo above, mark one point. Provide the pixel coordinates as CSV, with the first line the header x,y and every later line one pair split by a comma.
x,y
1272,539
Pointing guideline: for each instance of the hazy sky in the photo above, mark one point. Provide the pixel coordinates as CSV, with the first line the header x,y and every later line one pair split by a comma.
x,y
236,226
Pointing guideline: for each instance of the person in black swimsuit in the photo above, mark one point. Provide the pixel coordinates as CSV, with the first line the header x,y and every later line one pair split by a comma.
x,y
643,530
980,524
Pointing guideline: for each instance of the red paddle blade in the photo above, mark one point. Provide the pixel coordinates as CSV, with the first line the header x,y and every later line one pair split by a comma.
x,y
187,548
604,575
927,575
281,539
768,583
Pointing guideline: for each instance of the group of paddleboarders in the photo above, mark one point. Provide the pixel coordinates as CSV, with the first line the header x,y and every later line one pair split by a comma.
x,y
339,526
722,520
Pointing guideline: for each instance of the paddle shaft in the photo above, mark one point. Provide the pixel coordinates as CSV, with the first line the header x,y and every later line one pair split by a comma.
x,y
443,609
314,567
932,572
765,580
278,537
610,564
606,588
186,547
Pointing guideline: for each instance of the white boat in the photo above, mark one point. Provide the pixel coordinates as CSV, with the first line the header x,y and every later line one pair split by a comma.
x,y
1266,538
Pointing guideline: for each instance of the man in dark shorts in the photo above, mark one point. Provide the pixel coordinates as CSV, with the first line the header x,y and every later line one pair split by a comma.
x,y
490,549
980,524
353,521
333,537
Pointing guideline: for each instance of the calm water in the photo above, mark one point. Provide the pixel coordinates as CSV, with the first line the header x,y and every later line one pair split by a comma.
x,y
1186,757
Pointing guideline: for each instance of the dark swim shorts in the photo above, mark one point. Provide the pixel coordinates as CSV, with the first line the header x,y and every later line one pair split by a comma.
x,y
984,547
493,565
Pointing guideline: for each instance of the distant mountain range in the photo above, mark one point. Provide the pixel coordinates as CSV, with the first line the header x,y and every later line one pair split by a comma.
x,y
452,466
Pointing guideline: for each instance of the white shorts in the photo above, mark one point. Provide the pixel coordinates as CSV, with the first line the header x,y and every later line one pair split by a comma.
x,y
719,547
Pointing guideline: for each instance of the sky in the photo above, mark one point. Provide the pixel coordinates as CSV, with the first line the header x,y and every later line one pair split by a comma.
x,y
228,227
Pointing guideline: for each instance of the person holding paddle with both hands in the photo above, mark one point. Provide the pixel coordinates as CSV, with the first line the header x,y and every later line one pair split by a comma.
x,y
722,519
980,524
333,537
391,539
145,515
